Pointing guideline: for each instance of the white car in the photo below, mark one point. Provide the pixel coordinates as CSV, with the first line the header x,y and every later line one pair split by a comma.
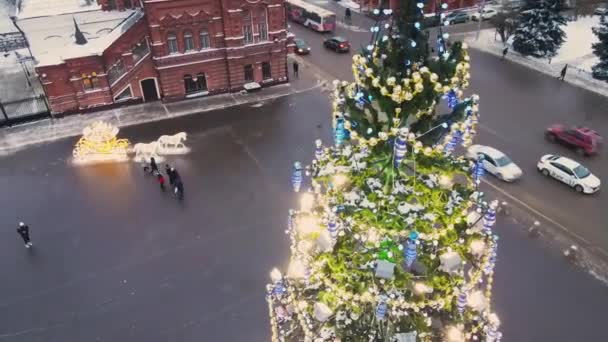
x,y
485,14
495,162
570,172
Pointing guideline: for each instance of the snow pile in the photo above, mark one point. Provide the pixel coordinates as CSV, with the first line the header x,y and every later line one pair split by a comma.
x,y
579,38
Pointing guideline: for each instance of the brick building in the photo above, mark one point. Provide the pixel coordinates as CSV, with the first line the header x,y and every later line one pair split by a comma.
x,y
116,51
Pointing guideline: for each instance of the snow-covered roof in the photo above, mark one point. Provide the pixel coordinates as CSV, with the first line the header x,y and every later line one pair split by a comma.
x,y
52,39
42,8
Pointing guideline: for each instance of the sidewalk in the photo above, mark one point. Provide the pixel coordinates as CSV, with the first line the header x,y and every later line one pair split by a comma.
x,y
18,137
575,76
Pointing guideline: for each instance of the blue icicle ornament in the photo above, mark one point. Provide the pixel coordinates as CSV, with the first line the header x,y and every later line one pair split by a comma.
x,y
381,308
452,99
489,219
400,148
455,140
319,153
332,227
296,177
340,131
411,250
461,302
478,170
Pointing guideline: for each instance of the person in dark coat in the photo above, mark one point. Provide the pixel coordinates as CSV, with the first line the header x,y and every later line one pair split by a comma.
x,y
179,185
170,174
24,231
562,74
504,52
153,166
296,69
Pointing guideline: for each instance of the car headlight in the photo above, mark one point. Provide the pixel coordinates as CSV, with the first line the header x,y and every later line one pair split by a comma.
x,y
300,50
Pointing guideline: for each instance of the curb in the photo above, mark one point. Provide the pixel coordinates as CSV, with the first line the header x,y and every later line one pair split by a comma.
x,y
75,130
592,85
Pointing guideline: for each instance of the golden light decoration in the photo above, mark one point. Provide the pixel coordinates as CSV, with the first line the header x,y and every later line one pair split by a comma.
x,y
99,144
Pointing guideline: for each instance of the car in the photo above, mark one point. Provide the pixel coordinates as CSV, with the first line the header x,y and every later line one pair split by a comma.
x,y
569,172
301,47
495,162
585,141
337,44
484,14
456,17
601,10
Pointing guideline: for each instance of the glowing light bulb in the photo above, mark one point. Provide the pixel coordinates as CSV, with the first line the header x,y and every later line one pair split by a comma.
x,y
276,275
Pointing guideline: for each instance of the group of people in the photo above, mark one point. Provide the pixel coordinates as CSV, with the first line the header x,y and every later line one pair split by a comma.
x,y
175,180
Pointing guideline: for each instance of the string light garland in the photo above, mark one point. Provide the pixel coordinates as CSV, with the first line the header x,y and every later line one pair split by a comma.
x,y
380,243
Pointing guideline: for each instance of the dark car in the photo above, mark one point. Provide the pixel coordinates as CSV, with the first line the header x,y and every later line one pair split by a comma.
x,y
301,47
337,44
457,17
584,140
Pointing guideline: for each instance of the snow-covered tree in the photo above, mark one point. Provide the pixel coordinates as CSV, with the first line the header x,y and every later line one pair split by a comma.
x,y
539,32
600,70
392,241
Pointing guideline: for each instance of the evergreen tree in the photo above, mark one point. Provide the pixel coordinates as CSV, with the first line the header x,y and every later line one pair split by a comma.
x,y
385,246
600,70
539,31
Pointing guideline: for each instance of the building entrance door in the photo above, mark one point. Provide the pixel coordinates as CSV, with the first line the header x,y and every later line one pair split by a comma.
x,y
148,87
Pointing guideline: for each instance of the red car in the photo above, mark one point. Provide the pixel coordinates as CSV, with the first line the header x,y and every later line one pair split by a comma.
x,y
584,140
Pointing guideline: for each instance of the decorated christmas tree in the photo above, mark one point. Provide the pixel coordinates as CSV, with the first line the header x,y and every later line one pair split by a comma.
x,y
539,32
392,240
600,70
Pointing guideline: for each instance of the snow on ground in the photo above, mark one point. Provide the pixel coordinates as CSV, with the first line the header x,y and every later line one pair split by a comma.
x,y
577,48
349,4
576,52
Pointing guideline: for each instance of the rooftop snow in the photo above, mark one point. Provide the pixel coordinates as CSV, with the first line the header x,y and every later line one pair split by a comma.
x,y
52,38
41,8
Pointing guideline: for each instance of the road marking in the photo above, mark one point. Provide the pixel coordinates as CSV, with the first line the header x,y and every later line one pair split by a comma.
x,y
546,218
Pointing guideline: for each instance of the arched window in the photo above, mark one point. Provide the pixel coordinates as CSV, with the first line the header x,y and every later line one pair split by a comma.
x,y
172,43
195,84
188,41
247,29
205,42
262,25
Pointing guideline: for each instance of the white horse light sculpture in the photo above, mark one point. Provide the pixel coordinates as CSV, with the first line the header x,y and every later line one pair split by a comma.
x,y
143,152
173,144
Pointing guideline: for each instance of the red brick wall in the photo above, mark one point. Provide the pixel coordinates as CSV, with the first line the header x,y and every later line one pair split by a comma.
x,y
223,63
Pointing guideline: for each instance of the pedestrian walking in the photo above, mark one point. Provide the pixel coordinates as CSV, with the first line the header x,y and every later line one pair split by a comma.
x,y
347,16
24,231
504,52
296,68
161,180
562,74
178,188
170,174
153,166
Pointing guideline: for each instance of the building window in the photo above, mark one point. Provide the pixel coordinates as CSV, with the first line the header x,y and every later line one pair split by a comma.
x,y
140,50
116,71
247,29
128,3
266,72
188,41
205,42
90,82
125,95
172,43
248,73
262,26
195,84
111,4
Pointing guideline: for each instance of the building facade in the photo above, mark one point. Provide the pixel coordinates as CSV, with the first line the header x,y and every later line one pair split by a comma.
x,y
147,50
431,6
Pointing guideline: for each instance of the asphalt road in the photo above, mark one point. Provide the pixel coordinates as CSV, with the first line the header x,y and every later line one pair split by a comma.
x,y
117,260
517,104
